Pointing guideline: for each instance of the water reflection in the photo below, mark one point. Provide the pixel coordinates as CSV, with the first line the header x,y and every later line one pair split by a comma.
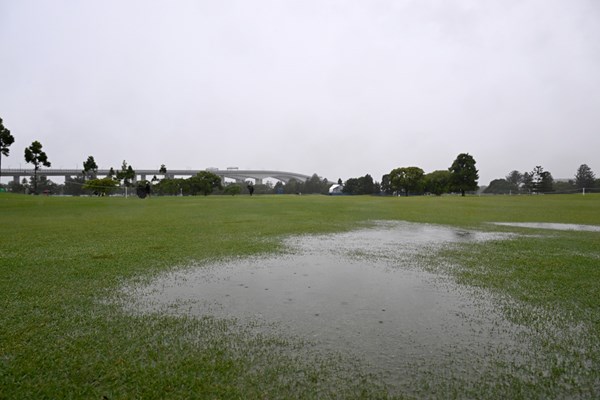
x,y
554,226
357,292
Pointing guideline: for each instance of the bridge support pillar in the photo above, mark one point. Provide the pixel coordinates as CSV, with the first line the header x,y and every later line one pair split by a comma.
x,y
258,181
16,179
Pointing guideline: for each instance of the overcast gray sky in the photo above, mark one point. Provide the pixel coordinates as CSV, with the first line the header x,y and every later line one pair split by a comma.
x,y
340,88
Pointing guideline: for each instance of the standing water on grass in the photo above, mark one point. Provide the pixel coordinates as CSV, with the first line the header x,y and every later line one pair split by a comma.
x,y
361,293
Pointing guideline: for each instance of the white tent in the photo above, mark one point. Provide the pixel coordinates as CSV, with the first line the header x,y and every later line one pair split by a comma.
x,y
336,189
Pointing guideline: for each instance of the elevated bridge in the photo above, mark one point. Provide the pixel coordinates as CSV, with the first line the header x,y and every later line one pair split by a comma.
x,y
238,175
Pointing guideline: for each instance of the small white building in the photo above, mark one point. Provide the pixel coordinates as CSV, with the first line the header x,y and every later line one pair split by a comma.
x,y
336,189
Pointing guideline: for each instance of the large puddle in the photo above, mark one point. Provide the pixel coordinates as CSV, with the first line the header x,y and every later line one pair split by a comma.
x,y
361,293
552,226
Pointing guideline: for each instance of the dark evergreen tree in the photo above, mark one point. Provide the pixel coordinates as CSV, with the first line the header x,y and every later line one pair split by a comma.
x,y
90,168
541,181
367,184
527,182
464,174
514,178
386,185
546,183
584,178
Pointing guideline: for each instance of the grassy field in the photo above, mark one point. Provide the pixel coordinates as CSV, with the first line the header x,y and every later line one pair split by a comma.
x,y
61,258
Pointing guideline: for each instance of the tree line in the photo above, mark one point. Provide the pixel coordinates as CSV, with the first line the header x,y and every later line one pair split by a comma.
x,y
205,182
461,177
540,181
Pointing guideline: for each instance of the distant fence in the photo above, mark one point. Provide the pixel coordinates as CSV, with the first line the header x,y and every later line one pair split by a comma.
x,y
567,191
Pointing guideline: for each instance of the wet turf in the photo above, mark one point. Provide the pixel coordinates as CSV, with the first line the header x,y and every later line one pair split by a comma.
x,y
61,259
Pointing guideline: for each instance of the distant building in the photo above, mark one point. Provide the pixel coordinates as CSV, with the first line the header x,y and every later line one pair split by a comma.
x,y
336,189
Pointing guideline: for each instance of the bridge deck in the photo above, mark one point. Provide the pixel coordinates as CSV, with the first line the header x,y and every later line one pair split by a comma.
x,y
237,174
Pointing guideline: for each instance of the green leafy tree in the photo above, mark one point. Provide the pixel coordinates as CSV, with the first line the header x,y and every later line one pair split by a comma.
x,y
130,174
516,181
366,184
293,187
564,187
17,187
143,189
74,186
499,186
314,184
204,182
279,188
261,188
437,182
36,156
584,178
514,178
6,139
358,186
407,180
101,187
464,174
46,186
527,182
90,168
386,185
126,174
547,182
233,189
351,186
172,187
376,188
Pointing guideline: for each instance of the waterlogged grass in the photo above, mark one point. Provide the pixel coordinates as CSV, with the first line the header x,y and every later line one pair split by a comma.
x,y
61,258
548,283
